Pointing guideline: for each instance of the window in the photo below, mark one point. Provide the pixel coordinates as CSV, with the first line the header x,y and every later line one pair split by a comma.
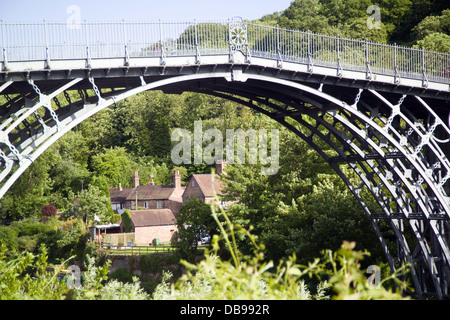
x,y
122,205
146,204
193,183
159,205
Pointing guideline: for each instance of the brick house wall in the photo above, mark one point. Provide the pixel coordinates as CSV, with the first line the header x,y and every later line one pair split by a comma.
x,y
146,235
152,224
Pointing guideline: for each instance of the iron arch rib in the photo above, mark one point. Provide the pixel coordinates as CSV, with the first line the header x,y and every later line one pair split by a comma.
x,y
395,153
379,160
354,189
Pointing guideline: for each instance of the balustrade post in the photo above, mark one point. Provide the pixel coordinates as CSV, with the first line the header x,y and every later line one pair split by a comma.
x,y
88,55
396,73
279,60
339,67
368,69
127,58
161,45
231,57
4,53
310,63
424,75
197,49
47,54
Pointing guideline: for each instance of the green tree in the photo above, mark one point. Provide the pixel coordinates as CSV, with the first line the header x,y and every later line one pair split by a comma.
x,y
8,238
433,32
126,219
193,219
305,15
64,244
114,164
435,42
89,204
29,193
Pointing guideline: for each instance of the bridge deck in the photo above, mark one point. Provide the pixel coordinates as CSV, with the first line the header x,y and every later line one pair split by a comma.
x,y
46,50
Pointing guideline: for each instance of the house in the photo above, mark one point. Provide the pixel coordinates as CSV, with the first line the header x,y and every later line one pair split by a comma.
x,y
153,225
205,186
160,204
148,196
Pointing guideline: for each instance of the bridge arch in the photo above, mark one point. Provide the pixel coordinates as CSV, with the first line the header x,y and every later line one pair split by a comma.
x,y
397,152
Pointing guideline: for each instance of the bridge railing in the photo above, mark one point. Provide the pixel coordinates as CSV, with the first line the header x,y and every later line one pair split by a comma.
x,y
92,40
348,54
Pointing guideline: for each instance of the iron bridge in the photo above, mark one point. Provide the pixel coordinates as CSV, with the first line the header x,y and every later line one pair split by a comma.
x,y
382,109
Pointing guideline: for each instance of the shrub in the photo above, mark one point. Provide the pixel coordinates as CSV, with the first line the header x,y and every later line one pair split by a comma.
x,y
26,277
127,223
47,212
93,287
122,275
250,277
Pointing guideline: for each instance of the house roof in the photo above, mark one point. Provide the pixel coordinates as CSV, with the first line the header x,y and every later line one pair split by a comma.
x,y
145,192
209,184
152,217
118,194
151,192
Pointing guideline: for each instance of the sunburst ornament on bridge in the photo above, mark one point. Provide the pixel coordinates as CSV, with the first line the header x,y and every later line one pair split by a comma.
x,y
238,35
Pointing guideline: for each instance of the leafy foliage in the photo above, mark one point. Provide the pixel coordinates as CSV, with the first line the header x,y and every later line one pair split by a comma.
x,y
126,219
26,277
90,203
193,219
94,288
48,211
251,277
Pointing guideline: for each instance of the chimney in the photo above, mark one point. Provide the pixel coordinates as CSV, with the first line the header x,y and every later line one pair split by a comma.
x,y
135,180
150,181
177,179
220,165
120,187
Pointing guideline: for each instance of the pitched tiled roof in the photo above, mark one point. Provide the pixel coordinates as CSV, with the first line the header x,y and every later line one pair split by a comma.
x,y
145,192
116,194
209,184
151,192
152,217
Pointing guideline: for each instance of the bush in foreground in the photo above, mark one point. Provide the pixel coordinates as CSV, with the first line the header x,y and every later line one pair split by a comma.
x,y
337,274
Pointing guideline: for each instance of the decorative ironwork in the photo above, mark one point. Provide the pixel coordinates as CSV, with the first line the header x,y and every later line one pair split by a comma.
x,y
238,35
